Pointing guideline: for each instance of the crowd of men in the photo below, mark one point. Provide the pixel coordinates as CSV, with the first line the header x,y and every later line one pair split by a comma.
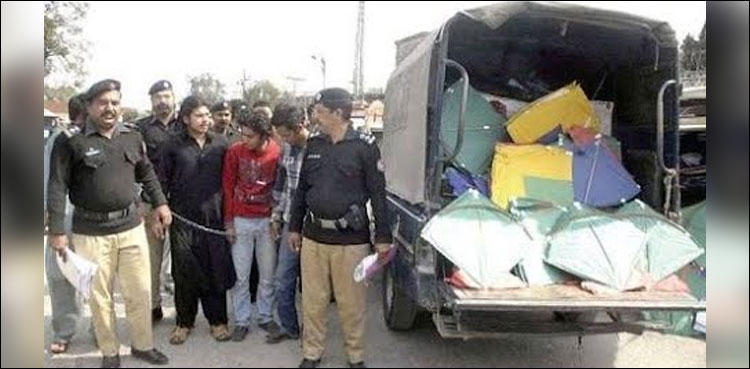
x,y
223,188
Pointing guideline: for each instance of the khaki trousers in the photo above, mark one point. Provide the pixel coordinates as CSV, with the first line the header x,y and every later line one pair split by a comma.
x,y
126,255
159,250
325,267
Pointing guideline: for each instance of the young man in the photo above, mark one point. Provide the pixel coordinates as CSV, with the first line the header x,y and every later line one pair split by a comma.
x,y
289,123
265,108
248,180
98,168
340,173
190,171
238,105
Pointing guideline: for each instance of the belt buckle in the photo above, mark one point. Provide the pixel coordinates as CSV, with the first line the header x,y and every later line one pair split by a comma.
x,y
112,215
328,224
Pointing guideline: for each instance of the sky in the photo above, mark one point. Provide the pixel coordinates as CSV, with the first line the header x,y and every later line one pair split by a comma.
x,y
141,42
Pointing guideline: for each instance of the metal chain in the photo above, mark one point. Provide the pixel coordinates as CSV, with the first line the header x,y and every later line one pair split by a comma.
x,y
198,226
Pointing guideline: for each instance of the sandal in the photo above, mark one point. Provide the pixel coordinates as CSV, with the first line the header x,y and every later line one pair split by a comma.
x,y
220,332
58,347
179,335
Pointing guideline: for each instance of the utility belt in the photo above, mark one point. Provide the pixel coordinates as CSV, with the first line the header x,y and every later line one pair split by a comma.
x,y
355,219
97,216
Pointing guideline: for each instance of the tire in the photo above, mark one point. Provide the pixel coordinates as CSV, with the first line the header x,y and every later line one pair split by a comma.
x,y
399,310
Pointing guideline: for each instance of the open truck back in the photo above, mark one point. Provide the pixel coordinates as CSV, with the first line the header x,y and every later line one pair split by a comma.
x,y
618,57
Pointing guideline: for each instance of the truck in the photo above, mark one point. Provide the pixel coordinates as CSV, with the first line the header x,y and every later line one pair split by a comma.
x,y
618,57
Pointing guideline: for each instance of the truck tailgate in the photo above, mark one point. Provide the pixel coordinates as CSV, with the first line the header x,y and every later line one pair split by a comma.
x,y
568,298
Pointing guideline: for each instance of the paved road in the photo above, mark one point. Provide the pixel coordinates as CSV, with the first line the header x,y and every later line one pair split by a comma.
x,y
419,348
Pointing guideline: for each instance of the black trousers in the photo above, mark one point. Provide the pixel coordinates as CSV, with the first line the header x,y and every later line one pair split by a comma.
x,y
186,300
194,279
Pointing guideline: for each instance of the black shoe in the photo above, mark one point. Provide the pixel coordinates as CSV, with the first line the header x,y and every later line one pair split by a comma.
x,y
239,333
156,314
152,356
111,361
307,363
360,364
281,336
271,328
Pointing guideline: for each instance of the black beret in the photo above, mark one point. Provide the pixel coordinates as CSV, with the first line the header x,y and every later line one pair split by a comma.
x,y
160,86
100,87
221,105
333,97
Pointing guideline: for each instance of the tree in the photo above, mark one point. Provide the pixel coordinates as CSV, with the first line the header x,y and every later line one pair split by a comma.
x,y
207,87
693,56
263,91
60,93
64,49
702,46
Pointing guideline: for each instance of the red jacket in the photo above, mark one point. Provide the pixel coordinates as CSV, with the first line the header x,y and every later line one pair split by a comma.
x,y
248,178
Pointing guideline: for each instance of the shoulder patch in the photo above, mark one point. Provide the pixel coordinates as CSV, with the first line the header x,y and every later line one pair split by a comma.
x,y
71,131
367,138
127,128
316,137
130,125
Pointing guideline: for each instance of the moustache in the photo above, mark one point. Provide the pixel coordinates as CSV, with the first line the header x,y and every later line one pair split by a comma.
x,y
163,106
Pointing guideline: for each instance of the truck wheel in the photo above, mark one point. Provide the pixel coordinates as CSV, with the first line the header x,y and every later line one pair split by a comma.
x,y
399,310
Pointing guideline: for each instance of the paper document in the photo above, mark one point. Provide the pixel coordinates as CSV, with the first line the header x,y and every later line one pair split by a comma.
x,y
370,265
78,271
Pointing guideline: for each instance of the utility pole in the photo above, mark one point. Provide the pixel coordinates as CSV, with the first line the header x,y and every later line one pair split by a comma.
x,y
322,61
243,83
358,73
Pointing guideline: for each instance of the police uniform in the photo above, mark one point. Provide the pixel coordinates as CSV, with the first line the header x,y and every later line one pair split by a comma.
x,y
154,132
336,182
329,208
155,135
231,133
98,173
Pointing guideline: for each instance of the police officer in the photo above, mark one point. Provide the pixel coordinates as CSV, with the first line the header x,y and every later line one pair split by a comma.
x,y
156,129
222,116
98,168
341,172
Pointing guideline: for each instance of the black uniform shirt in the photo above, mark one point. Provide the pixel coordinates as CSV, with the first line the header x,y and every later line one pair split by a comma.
x,y
100,175
155,133
335,176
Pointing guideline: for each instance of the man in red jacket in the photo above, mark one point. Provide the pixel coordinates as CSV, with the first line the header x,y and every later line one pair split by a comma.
x,y
248,178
